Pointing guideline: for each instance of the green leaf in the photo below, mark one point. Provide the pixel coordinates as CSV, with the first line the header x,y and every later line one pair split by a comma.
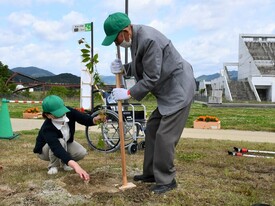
x,y
85,59
89,66
87,46
95,59
85,51
90,61
85,55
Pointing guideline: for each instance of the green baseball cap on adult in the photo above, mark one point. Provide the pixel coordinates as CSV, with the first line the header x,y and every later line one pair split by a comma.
x,y
54,104
115,23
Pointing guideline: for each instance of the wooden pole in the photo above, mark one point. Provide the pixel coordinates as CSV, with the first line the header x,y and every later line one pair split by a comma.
x,y
125,184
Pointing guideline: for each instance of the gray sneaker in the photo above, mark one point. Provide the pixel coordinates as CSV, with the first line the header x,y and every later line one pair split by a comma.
x,y
52,170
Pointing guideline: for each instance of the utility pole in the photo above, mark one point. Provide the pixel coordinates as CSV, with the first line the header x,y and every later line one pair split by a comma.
x,y
92,57
126,49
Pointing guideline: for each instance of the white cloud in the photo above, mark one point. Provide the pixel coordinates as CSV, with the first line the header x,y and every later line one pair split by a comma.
x,y
207,53
56,60
205,32
21,19
9,38
49,30
73,17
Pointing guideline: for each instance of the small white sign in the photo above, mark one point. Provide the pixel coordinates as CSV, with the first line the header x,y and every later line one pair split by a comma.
x,y
79,28
82,27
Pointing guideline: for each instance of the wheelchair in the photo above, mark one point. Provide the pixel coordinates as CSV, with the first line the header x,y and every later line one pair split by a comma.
x,y
104,137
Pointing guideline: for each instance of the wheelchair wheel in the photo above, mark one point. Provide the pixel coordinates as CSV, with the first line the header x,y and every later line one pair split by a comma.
x,y
132,148
105,136
141,145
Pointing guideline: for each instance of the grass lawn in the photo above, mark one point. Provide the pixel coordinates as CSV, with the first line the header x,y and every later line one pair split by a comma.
x,y
206,174
252,119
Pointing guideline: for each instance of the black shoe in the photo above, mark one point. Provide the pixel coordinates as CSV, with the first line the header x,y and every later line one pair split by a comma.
x,y
158,189
143,178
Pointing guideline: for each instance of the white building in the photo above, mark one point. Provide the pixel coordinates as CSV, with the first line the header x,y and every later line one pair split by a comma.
x,y
257,64
256,71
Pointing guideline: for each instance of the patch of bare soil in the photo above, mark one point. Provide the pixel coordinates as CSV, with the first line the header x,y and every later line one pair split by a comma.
x,y
104,187
50,193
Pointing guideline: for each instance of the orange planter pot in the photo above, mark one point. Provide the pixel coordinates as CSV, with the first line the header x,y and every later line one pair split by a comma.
x,y
207,125
32,115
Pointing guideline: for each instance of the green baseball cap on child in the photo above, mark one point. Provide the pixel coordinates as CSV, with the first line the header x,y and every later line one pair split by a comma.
x,y
114,24
55,105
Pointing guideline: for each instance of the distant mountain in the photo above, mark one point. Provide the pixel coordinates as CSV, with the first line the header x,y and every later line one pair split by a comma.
x,y
33,71
208,77
70,78
61,78
46,76
233,75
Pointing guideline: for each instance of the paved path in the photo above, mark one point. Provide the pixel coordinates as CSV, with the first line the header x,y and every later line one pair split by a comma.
x,y
235,135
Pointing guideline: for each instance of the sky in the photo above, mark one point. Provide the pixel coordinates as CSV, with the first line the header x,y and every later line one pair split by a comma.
x,y
206,32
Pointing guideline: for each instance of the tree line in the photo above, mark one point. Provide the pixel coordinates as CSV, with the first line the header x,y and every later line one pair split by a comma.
x,y
4,76
7,90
